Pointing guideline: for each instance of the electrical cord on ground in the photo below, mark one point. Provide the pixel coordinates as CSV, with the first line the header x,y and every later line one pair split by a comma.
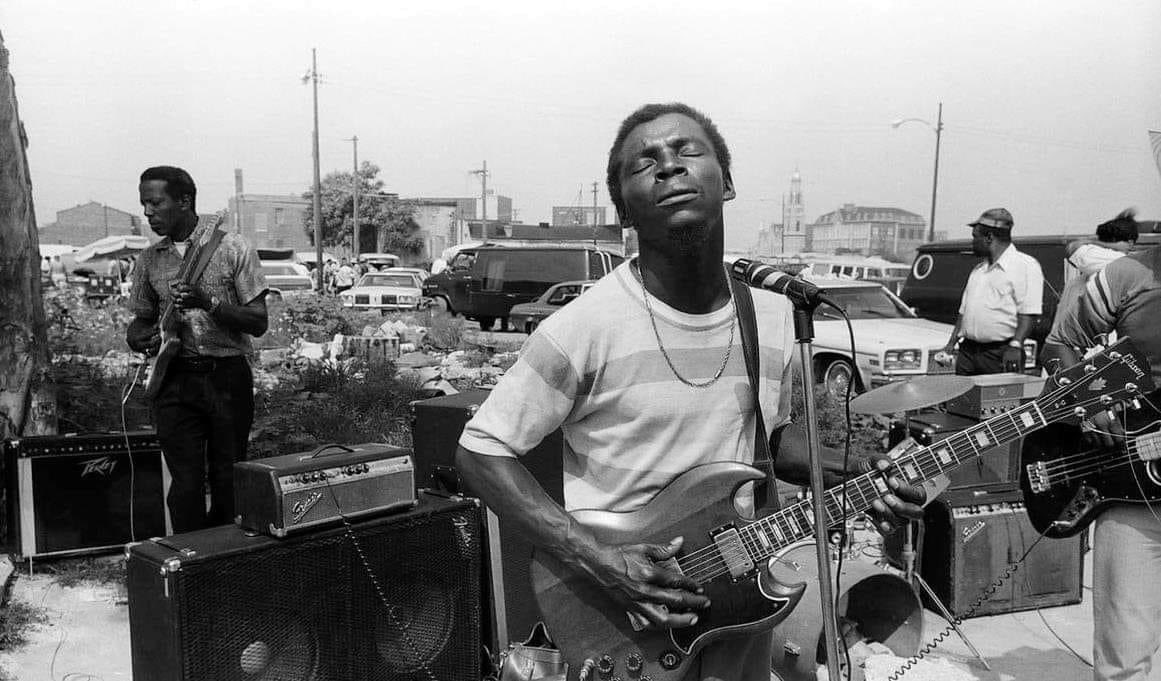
x,y
129,451
1082,658
986,594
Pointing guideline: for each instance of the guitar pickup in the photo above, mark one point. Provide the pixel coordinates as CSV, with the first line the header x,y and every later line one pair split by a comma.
x,y
1038,477
733,553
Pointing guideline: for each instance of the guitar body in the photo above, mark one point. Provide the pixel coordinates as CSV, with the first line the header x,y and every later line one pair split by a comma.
x,y
165,354
586,623
1067,483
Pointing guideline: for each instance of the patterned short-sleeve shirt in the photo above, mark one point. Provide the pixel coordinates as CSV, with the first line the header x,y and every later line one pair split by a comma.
x,y
233,275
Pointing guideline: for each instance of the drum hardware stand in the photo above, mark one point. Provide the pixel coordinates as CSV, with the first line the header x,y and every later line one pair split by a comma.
x,y
919,584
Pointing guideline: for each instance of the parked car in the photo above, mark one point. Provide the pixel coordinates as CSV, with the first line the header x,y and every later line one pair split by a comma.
x,y
527,316
484,283
285,278
417,271
891,341
940,271
385,291
380,261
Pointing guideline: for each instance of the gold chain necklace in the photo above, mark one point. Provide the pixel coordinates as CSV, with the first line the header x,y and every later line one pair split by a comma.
x,y
665,354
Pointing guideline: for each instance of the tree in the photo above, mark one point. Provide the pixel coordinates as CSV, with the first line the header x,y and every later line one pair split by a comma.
x,y
386,222
27,406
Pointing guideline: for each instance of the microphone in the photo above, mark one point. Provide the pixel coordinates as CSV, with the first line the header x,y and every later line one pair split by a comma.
x,y
760,275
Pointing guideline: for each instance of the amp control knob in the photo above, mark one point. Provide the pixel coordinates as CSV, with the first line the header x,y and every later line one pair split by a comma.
x,y
669,660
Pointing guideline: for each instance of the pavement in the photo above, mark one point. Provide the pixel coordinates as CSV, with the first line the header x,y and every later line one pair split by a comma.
x,y
87,637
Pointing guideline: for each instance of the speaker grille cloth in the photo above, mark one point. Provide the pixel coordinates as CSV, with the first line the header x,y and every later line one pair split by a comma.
x,y
308,611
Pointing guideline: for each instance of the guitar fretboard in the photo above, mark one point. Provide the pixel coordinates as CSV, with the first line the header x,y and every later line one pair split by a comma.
x,y
764,537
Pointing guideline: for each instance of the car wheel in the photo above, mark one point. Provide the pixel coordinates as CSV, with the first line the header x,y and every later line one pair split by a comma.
x,y
440,304
486,323
837,376
503,323
530,327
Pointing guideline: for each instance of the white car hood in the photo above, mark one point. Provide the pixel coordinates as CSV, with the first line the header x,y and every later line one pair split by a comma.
x,y
876,335
383,291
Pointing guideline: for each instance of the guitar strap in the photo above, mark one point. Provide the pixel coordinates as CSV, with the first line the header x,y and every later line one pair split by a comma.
x,y
765,495
204,254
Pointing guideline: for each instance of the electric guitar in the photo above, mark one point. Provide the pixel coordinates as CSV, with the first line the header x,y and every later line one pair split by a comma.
x,y
170,321
729,555
1068,482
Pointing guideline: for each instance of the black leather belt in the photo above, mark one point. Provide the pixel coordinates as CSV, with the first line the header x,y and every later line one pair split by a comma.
x,y
205,365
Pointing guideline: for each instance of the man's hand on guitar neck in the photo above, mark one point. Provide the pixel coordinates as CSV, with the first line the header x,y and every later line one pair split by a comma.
x,y
189,297
636,576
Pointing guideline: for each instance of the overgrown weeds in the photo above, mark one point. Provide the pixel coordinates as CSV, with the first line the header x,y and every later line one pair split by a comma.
x,y
99,571
17,619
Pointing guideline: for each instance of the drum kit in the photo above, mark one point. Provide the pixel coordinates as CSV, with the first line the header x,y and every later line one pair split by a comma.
x,y
889,609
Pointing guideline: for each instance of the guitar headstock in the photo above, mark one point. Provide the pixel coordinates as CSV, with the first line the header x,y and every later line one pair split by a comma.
x,y
1117,374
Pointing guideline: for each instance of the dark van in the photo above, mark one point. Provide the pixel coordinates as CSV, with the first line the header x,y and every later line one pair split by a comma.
x,y
484,283
940,271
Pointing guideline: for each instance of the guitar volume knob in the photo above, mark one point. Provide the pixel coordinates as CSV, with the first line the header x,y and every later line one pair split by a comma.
x,y
633,663
669,660
605,666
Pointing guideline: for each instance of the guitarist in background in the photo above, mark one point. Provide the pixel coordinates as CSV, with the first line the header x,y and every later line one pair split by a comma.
x,y
645,374
1124,297
205,406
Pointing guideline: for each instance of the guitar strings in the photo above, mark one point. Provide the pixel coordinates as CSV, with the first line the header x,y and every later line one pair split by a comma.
x,y
711,561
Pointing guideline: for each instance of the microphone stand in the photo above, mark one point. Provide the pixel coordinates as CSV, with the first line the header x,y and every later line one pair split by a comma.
x,y
804,334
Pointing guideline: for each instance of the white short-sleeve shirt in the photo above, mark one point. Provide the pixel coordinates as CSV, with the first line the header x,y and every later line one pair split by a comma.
x,y
996,293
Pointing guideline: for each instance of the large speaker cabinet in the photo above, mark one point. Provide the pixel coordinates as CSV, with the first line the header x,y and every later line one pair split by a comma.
x,y
75,494
395,598
436,427
971,538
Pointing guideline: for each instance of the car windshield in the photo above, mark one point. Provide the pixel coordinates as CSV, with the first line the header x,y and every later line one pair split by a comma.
x,y
863,303
405,280
278,270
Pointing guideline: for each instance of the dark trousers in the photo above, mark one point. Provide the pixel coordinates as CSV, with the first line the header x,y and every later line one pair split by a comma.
x,y
975,358
203,414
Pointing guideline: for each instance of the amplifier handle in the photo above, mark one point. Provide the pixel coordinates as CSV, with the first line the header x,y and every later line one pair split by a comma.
x,y
319,452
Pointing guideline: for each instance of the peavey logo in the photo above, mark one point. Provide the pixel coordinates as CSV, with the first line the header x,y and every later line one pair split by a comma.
x,y
973,530
102,466
303,506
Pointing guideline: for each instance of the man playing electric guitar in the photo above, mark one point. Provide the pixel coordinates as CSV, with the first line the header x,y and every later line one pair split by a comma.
x,y
1124,297
645,375
205,404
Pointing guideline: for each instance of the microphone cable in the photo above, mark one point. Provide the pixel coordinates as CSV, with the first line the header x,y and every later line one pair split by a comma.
x,y
128,390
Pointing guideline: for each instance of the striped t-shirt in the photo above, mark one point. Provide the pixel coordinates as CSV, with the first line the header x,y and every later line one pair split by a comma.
x,y
630,426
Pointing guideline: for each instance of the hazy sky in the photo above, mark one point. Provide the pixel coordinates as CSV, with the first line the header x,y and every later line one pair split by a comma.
x,y
1046,104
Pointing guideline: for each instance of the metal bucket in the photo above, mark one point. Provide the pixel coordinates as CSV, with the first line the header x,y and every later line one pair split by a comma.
x,y
882,605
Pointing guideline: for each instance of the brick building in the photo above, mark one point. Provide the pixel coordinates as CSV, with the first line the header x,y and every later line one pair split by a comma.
x,y
891,233
88,222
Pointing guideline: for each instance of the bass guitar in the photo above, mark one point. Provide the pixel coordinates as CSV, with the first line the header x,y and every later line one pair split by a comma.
x,y
168,324
1068,482
729,556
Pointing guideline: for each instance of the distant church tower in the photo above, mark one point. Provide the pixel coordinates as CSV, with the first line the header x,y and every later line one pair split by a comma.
x,y
794,218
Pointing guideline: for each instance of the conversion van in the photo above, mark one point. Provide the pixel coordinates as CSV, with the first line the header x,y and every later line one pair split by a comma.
x,y
940,270
484,283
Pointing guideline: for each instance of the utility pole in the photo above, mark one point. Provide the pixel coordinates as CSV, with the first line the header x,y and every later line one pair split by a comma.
x,y
935,173
355,215
483,173
783,251
318,249
594,204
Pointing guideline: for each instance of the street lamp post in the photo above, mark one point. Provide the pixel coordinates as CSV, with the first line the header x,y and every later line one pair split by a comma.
x,y
938,130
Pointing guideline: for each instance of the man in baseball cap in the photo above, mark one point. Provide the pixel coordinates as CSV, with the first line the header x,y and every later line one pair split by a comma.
x,y
1000,303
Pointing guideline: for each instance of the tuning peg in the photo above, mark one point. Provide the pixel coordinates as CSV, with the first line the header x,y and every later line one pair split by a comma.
x,y
1135,403
1132,388
1114,355
1089,369
1079,412
1111,414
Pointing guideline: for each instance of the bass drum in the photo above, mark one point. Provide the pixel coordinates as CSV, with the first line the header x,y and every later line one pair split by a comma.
x,y
881,604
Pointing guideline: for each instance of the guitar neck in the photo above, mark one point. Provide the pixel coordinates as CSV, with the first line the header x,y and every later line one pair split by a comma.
x,y
767,536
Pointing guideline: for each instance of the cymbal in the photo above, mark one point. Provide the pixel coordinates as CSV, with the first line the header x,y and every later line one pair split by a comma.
x,y
914,393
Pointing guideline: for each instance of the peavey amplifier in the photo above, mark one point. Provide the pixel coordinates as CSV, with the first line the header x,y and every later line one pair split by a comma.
x,y
286,494
74,494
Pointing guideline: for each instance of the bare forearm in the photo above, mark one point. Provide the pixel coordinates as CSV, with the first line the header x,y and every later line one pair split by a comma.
x,y
1024,324
792,462
506,486
251,319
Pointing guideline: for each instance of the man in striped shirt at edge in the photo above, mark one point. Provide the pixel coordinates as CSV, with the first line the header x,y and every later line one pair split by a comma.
x,y
1124,297
645,375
